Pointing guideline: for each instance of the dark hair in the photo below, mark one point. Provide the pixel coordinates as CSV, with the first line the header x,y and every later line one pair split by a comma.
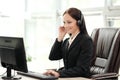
x,y
78,16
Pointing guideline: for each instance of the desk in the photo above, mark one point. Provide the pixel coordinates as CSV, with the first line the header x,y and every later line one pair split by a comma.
x,y
79,78
29,78
2,70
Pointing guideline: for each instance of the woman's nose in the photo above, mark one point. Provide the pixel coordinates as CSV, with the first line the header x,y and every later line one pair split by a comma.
x,y
65,25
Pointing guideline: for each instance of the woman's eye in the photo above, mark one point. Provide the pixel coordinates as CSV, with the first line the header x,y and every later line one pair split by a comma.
x,y
64,22
68,22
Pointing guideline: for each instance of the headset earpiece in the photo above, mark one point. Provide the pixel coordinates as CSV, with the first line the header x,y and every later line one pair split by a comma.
x,y
79,22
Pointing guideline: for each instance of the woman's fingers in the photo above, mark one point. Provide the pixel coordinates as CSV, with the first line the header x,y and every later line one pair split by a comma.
x,y
52,72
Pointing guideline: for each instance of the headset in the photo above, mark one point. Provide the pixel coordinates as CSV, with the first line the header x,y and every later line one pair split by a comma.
x,y
79,22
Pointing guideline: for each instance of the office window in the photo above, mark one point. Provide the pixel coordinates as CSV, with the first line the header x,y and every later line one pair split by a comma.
x,y
83,4
12,18
113,22
41,6
116,2
40,33
93,21
12,7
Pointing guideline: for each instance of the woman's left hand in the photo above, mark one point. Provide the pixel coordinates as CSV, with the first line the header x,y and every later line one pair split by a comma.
x,y
52,72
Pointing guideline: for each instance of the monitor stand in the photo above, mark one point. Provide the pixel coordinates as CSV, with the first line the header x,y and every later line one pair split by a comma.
x,y
9,77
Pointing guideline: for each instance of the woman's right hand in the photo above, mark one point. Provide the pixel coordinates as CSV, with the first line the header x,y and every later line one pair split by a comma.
x,y
52,72
62,33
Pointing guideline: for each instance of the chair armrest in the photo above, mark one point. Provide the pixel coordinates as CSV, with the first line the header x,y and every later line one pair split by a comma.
x,y
104,76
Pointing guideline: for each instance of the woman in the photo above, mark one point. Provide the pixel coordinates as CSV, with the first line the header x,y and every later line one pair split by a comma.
x,y
75,51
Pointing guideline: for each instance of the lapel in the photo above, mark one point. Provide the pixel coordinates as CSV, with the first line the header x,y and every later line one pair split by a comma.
x,y
66,46
66,49
78,38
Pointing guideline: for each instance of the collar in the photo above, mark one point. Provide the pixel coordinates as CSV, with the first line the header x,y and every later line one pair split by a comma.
x,y
71,39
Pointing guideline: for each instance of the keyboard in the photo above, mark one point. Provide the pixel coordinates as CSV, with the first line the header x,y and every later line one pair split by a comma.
x,y
38,75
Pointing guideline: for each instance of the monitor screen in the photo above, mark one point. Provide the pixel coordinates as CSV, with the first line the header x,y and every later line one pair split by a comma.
x,y
12,53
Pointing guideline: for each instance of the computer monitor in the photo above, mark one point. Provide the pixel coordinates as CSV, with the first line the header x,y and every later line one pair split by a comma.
x,y
12,53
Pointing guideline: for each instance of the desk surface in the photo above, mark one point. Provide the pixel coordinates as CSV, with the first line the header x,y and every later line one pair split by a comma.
x,y
29,78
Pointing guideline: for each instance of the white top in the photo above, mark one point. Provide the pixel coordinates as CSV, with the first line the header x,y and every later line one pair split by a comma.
x,y
72,39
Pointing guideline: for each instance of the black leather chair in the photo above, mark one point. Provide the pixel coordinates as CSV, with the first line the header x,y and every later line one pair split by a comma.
x,y
106,59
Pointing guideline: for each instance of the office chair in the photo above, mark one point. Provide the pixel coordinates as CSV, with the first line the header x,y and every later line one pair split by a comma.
x,y
105,62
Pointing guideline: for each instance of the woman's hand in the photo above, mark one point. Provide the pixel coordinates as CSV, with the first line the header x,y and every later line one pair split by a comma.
x,y
52,72
61,33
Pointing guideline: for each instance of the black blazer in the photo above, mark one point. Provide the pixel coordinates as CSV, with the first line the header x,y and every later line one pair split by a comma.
x,y
76,59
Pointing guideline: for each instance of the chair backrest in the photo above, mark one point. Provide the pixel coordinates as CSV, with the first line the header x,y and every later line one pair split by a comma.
x,y
106,56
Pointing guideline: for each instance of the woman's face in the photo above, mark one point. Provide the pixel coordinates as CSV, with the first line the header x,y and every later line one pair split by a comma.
x,y
70,24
